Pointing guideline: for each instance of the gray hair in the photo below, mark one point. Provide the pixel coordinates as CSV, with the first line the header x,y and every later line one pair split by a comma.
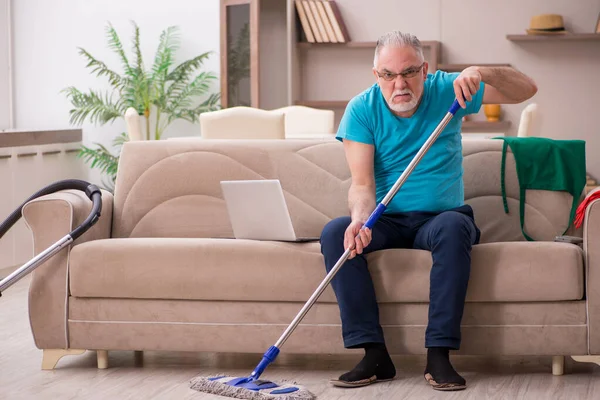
x,y
398,39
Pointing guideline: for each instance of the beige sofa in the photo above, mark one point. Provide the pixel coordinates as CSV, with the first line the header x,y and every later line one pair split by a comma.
x,y
160,271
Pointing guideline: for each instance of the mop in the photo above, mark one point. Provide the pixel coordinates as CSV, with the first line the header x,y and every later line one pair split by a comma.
x,y
253,388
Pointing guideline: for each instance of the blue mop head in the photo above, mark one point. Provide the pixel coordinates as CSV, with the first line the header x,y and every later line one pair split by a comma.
x,y
241,388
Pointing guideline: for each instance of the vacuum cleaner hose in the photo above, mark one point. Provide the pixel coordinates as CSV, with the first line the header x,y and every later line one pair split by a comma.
x,y
91,191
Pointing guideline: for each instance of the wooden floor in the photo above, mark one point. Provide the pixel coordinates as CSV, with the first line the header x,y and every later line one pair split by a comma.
x,y
166,375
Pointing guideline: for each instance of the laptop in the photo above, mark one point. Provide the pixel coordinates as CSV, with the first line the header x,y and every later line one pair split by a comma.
x,y
258,211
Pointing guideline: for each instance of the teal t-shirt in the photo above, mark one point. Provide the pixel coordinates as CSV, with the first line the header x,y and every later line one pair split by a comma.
x,y
436,183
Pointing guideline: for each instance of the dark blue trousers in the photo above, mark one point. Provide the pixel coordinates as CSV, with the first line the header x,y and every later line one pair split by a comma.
x,y
449,235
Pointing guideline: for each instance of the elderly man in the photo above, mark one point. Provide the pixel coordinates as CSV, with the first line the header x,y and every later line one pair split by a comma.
x,y
382,129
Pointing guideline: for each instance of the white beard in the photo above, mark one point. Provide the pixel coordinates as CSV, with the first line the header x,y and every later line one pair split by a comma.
x,y
403,107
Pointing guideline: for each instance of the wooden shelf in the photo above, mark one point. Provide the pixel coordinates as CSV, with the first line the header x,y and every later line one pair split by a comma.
x,y
547,38
485,126
467,126
305,45
460,67
335,104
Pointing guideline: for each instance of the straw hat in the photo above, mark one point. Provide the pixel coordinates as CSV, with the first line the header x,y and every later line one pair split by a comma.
x,y
546,24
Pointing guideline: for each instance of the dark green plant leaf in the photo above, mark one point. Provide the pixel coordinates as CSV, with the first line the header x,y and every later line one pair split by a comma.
x,y
180,76
168,45
199,86
100,158
191,115
120,140
92,105
115,44
100,69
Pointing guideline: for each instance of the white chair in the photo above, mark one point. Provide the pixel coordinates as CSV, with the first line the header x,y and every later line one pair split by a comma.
x,y
529,123
242,123
302,121
133,122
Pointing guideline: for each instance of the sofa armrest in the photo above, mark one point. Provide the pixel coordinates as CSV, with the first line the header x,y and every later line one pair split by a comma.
x,y
591,247
50,218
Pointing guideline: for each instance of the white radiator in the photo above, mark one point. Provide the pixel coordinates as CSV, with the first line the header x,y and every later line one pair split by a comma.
x,y
23,171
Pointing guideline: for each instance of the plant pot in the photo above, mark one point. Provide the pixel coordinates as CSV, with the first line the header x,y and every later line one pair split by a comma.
x,y
492,112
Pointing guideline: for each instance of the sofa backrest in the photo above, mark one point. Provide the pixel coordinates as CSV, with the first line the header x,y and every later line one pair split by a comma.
x,y
171,188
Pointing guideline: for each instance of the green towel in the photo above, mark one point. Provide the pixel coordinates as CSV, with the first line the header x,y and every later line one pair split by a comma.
x,y
546,164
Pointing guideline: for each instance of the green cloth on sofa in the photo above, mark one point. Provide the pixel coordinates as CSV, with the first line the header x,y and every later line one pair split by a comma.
x,y
546,164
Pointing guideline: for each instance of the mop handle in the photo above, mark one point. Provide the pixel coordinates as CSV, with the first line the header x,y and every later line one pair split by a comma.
x,y
370,222
416,159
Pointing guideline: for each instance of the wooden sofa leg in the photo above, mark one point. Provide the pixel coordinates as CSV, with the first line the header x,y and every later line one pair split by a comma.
x,y
558,365
589,359
102,359
50,357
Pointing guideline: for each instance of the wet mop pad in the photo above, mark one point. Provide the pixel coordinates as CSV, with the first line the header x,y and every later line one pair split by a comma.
x,y
255,390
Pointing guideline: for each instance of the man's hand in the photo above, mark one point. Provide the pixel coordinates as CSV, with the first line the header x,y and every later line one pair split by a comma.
x,y
466,85
357,243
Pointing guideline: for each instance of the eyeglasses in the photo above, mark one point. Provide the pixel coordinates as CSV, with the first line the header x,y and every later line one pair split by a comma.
x,y
409,73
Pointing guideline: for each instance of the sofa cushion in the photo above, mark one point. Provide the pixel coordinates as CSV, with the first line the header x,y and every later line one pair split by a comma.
x,y
245,270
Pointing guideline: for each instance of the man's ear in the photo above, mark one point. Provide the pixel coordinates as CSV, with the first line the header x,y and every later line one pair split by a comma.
x,y
425,70
375,74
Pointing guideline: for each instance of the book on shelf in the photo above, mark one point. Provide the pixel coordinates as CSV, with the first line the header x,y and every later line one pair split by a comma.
x,y
326,23
318,20
304,22
312,22
321,21
335,16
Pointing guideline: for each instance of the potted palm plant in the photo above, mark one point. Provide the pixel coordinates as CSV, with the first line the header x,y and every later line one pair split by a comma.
x,y
161,94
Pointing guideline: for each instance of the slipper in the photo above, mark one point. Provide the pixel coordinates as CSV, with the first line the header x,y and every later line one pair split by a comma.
x,y
362,382
444,386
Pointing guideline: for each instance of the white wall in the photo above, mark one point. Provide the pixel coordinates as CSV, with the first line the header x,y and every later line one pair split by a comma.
x,y
4,65
46,37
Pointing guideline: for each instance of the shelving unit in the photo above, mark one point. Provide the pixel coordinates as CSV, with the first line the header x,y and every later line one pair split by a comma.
x,y
432,49
467,126
292,71
432,44
306,45
460,67
488,126
322,71
555,38
335,104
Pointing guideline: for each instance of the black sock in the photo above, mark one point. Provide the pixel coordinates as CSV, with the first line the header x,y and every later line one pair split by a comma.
x,y
440,368
376,361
